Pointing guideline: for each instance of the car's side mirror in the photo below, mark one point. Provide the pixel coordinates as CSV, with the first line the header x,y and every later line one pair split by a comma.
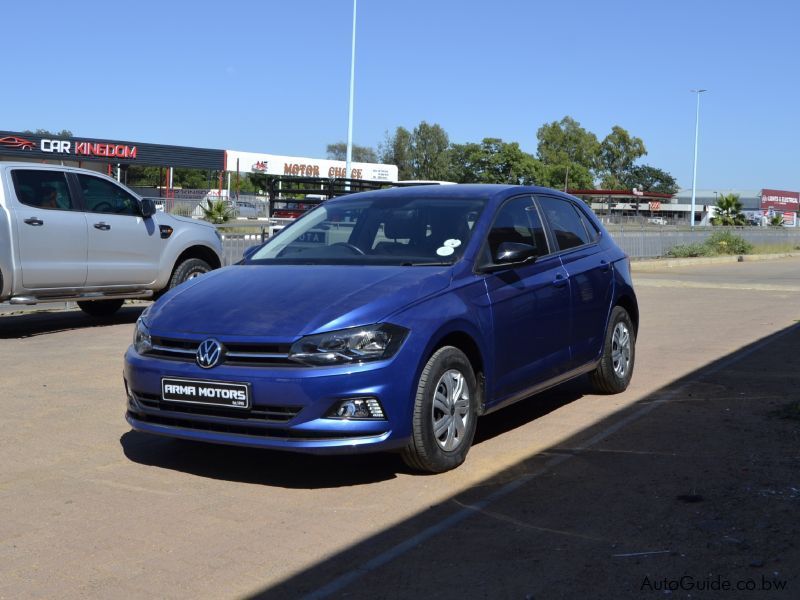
x,y
511,254
147,207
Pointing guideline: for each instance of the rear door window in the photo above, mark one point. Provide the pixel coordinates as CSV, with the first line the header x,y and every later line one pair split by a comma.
x,y
565,222
42,189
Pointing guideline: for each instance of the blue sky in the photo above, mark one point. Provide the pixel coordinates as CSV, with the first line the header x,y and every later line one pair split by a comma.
x,y
273,76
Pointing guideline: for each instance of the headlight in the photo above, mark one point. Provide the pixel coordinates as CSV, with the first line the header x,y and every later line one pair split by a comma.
x,y
141,338
359,344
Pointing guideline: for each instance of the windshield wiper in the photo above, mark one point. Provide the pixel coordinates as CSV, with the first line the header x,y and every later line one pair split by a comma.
x,y
425,264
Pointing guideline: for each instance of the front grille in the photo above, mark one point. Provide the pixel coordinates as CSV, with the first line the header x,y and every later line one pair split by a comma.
x,y
271,414
236,353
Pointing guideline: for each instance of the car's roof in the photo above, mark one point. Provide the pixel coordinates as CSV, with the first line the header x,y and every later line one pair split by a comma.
x,y
461,191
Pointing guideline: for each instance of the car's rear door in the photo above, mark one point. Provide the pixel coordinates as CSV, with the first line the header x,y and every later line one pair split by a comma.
x,y
123,247
50,230
590,274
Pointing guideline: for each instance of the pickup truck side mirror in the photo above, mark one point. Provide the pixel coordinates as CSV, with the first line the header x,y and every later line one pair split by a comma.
x,y
147,207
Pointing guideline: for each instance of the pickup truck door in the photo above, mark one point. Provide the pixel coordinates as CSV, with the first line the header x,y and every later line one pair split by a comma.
x,y
50,230
124,248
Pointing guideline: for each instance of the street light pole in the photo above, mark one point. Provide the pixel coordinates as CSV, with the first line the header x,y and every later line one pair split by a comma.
x,y
696,135
347,172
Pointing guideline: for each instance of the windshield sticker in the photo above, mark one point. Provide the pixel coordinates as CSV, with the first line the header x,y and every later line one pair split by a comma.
x,y
445,251
452,243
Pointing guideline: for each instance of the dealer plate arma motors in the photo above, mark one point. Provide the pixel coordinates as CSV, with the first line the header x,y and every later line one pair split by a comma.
x,y
389,320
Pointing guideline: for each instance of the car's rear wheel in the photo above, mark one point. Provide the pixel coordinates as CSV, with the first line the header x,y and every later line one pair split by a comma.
x,y
615,370
445,413
100,308
188,269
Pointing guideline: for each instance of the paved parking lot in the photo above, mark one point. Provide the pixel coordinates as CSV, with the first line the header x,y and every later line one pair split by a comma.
x,y
91,509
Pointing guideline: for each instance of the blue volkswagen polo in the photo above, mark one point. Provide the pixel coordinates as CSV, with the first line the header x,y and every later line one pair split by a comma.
x,y
389,320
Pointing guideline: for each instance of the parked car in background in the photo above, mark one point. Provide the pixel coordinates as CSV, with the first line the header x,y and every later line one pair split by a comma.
x,y
657,221
74,234
389,320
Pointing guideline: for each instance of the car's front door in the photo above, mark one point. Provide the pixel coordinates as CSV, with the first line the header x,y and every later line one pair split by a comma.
x,y
124,248
529,305
590,275
51,230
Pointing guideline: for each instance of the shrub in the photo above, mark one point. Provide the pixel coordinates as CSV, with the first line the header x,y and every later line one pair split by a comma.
x,y
689,250
720,242
726,242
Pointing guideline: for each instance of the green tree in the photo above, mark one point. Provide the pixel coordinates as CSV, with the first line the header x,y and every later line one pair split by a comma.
x,y
569,154
396,150
618,151
338,151
729,211
216,211
429,152
776,221
423,153
649,179
493,161
64,133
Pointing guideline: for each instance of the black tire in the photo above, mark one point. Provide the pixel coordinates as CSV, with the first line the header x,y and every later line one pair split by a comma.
x,y
188,269
615,370
100,308
426,452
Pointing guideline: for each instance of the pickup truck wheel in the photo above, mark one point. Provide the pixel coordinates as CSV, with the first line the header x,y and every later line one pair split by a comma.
x,y
188,269
100,308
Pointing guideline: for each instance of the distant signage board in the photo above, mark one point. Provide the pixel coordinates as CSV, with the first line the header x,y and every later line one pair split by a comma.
x,y
45,147
272,164
780,200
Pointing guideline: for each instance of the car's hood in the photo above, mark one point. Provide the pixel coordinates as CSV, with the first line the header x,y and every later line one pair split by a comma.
x,y
287,301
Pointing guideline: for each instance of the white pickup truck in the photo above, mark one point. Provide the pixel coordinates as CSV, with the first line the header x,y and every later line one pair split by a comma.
x,y
74,234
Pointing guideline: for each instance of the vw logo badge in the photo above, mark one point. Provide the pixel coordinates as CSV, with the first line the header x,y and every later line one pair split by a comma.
x,y
208,353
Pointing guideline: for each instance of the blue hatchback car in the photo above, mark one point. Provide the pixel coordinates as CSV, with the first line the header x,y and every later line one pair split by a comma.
x,y
389,320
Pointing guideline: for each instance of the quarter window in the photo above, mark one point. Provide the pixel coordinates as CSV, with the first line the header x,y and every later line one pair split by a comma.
x,y
42,189
102,196
565,223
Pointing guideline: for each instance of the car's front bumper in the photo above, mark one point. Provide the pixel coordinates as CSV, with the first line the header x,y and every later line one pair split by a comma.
x,y
289,405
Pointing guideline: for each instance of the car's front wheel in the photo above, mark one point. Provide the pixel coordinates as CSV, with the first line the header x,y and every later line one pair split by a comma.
x,y
615,370
100,308
445,413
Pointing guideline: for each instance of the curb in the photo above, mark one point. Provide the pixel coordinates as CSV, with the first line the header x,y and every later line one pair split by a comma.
x,y
661,263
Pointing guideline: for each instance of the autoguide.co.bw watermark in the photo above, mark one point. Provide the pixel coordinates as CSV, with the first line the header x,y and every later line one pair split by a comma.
x,y
713,584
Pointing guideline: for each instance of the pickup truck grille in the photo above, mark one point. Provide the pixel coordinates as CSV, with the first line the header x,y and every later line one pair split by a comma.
x,y
236,353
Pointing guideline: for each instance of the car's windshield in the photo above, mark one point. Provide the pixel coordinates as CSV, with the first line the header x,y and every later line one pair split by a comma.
x,y
377,231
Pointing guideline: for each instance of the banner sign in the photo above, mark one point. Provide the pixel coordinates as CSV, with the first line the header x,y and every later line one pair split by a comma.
x,y
780,200
272,164
14,145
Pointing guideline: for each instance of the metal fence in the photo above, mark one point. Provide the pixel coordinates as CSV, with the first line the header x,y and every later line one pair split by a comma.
x,y
654,242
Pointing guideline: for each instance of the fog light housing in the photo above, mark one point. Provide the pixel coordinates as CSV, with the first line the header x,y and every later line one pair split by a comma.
x,y
357,408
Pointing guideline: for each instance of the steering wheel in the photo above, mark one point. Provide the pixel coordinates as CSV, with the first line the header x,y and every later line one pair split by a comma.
x,y
354,249
103,207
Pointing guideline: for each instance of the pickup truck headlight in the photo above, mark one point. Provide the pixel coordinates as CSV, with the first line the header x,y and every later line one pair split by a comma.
x,y
141,338
356,345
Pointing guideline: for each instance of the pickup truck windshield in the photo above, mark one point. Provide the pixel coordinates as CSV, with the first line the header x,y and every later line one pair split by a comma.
x,y
376,231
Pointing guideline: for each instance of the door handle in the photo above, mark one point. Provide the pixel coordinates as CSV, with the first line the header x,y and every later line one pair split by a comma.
x,y
34,221
102,225
560,281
